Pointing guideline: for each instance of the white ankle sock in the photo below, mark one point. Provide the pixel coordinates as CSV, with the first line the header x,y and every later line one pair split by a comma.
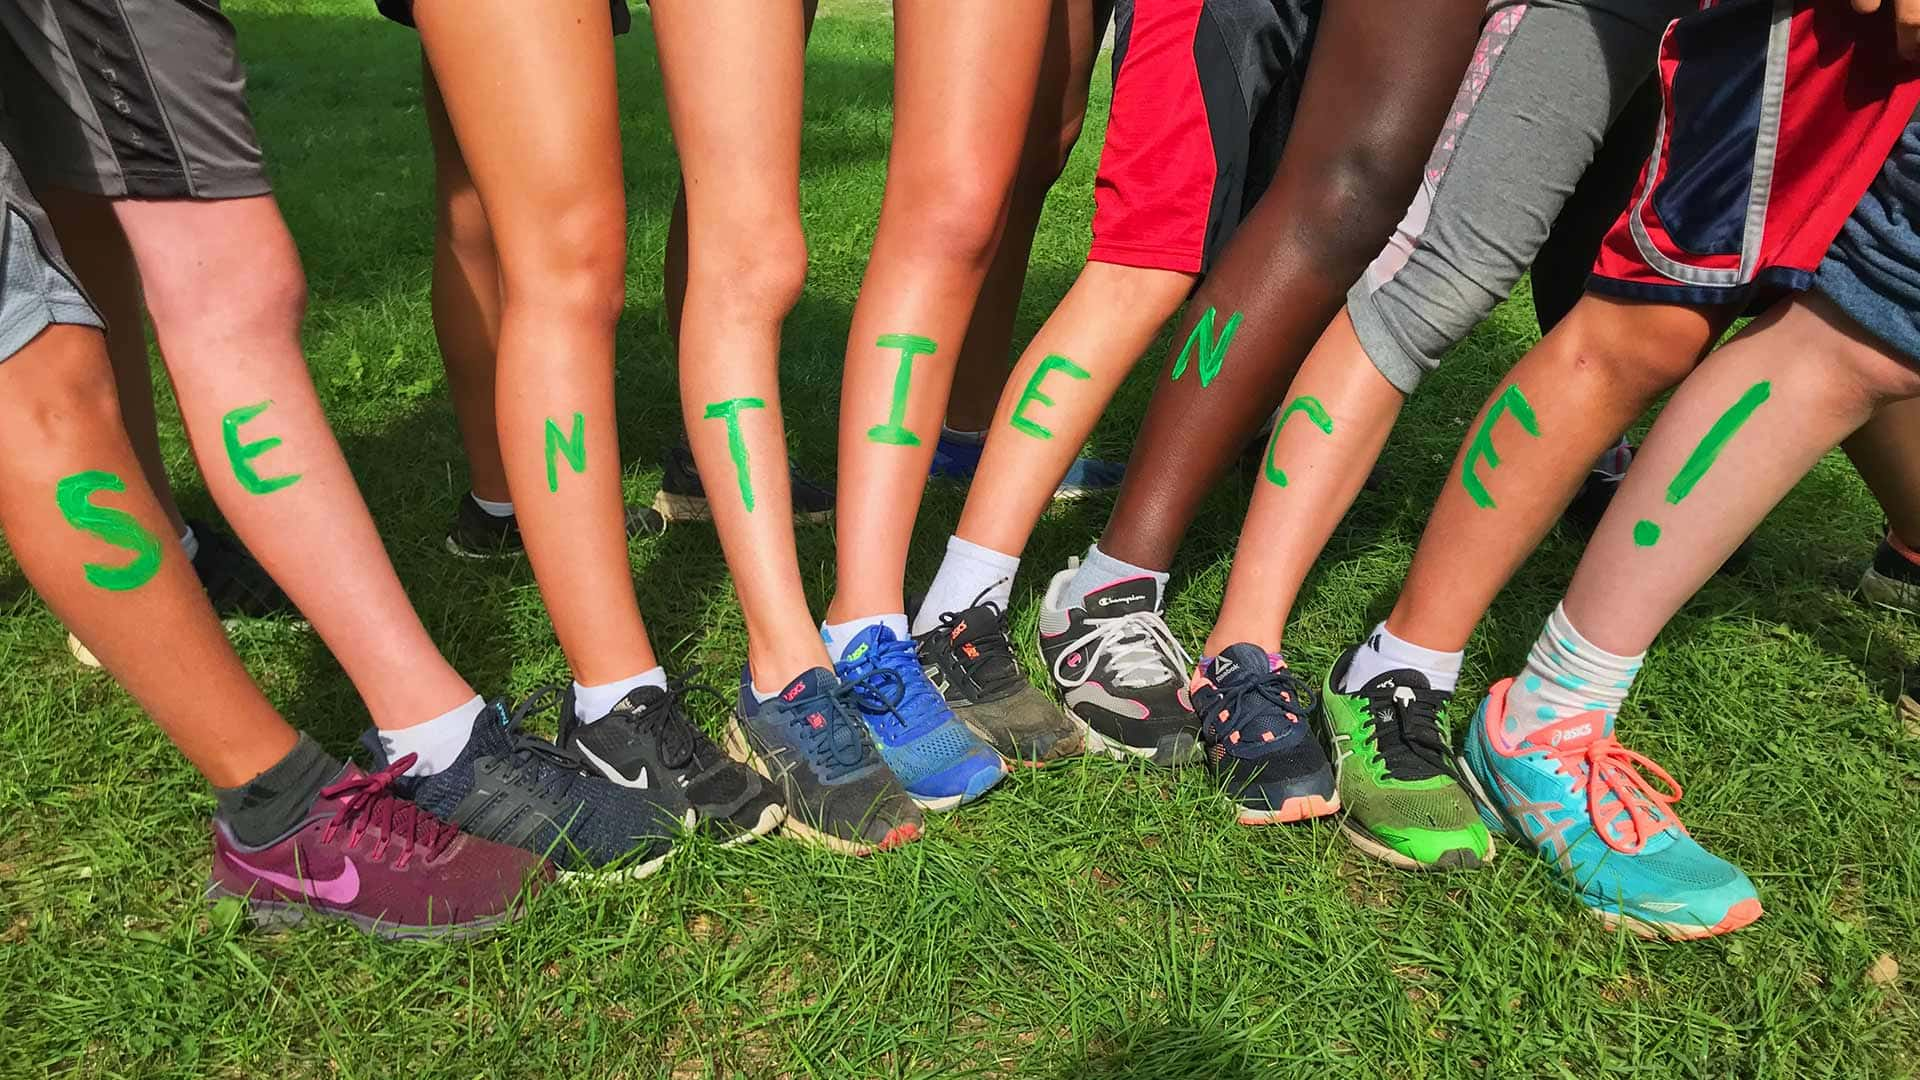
x,y
494,509
970,574
1566,675
840,635
1101,569
1383,653
590,703
437,741
191,543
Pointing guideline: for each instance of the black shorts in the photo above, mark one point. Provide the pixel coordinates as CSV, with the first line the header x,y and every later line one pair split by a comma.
x,y
401,11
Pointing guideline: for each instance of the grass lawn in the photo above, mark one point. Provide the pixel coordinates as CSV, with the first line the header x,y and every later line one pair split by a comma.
x,y
1090,920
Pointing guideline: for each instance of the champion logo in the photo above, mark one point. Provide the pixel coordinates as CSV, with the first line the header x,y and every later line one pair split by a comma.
x,y
341,889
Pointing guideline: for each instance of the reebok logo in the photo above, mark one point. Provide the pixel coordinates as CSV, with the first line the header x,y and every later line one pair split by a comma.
x,y
1222,667
340,890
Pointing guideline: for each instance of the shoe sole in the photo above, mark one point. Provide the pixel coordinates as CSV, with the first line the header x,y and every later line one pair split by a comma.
x,y
1890,593
940,804
1299,808
695,508
1452,859
273,915
1173,752
1069,745
740,750
454,549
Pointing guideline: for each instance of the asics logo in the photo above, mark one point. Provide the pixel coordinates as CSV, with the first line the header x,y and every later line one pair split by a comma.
x,y
793,692
638,783
1572,733
340,889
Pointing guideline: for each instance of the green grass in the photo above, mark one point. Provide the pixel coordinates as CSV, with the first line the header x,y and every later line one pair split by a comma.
x,y
1086,921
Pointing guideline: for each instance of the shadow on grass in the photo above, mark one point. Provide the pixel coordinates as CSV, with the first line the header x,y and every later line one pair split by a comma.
x,y
1163,1052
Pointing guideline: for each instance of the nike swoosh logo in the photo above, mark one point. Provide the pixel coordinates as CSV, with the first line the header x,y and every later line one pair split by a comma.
x,y
639,783
339,890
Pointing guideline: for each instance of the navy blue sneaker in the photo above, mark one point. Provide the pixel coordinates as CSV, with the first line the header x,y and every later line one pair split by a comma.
x,y
939,760
523,791
1260,746
959,459
810,743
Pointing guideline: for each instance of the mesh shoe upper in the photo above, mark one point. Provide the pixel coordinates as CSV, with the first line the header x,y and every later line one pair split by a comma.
x,y
811,741
236,583
1398,772
925,745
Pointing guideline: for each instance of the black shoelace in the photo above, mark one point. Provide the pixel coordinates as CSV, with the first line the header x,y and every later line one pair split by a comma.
x,y
1278,688
1406,728
839,744
536,763
994,663
681,742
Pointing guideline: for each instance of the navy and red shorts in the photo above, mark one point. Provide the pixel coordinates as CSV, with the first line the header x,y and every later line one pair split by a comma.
x,y
1777,117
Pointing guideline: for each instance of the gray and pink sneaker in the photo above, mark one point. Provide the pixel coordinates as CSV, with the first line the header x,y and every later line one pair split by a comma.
x,y
367,856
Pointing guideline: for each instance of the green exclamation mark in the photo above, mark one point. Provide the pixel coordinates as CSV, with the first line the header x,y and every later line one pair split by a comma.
x,y
1647,533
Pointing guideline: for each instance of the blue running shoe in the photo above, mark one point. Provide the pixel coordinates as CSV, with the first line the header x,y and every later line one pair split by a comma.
x,y
1578,798
939,760
959,459
809,741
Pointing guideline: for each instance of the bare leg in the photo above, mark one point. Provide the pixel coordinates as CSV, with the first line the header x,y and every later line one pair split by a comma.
x,y
740,155
1887,453
547,169
64,456
961,84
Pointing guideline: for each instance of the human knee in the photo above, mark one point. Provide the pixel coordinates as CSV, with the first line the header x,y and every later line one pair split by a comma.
x,y
1345,209
63,410
258,295
755,270
573,260
1641,349
957,216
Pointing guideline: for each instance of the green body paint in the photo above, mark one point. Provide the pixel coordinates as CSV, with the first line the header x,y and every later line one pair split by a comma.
x,y
1647,533
894,431
729,410
1315,412
573,449
240,455
1212,350
1510,400
1048,365
73,494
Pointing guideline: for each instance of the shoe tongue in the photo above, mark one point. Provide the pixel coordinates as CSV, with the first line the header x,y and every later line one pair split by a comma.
x,y
1401,681
974,623
1124,597
1574,733
640,700
810,684
1239,664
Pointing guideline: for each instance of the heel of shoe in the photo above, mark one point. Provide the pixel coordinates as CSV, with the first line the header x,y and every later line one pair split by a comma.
x,y
682,507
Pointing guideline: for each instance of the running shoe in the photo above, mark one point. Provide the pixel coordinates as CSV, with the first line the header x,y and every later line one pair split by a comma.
x,y
1892,579
476,534
1580,800
810,742
970,661
1582,515
1120,671
521,790
938,759
647,739
366,856
959,459
1260,746
237,586
682,497
1398,779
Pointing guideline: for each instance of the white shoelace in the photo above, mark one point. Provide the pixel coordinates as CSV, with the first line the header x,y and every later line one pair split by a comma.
x,y
1139,646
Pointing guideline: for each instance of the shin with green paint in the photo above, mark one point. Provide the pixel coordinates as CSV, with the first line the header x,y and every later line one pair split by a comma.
x,y
1511,401
729,410
1315,412
240,455
1034,395
1646,533
572,447
75,496
894,432
1208,350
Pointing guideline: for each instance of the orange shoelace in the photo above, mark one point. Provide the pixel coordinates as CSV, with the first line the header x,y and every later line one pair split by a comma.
x,y
1613,778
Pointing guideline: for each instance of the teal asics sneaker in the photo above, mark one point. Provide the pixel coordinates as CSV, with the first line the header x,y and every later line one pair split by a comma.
x,y
1578,798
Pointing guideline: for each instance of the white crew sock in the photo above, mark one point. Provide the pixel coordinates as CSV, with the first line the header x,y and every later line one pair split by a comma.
x,y
840,635
590,703
1566,675
437,741
1383,653
191,543
493,509
1101,569
970,574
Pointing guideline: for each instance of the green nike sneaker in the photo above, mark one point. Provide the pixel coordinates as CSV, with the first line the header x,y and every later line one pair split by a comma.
x,y
1404,803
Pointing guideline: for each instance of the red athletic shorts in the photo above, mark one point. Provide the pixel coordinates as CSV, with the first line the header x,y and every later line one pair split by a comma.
x,y
1204,93
1777,116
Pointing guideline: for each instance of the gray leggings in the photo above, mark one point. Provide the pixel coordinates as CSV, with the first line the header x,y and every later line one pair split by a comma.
x,y
1547,80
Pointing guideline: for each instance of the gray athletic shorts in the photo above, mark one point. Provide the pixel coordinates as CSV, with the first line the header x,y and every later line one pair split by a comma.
x,y
36,288
1872,272
140,98
1547,80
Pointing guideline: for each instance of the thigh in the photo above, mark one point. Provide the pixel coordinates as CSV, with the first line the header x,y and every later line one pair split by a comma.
x,y
964,85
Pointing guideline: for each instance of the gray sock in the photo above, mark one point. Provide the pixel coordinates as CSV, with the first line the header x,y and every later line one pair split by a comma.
x,y
1100,569
268,805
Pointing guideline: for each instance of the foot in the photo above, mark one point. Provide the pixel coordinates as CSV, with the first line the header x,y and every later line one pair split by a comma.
x,y
959,459
971,663
810,743
682,497
647,739
366,856
521,790
1892,580
476,534
1258,742
939,760
237,585
1578,799
1120,671
1398,779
